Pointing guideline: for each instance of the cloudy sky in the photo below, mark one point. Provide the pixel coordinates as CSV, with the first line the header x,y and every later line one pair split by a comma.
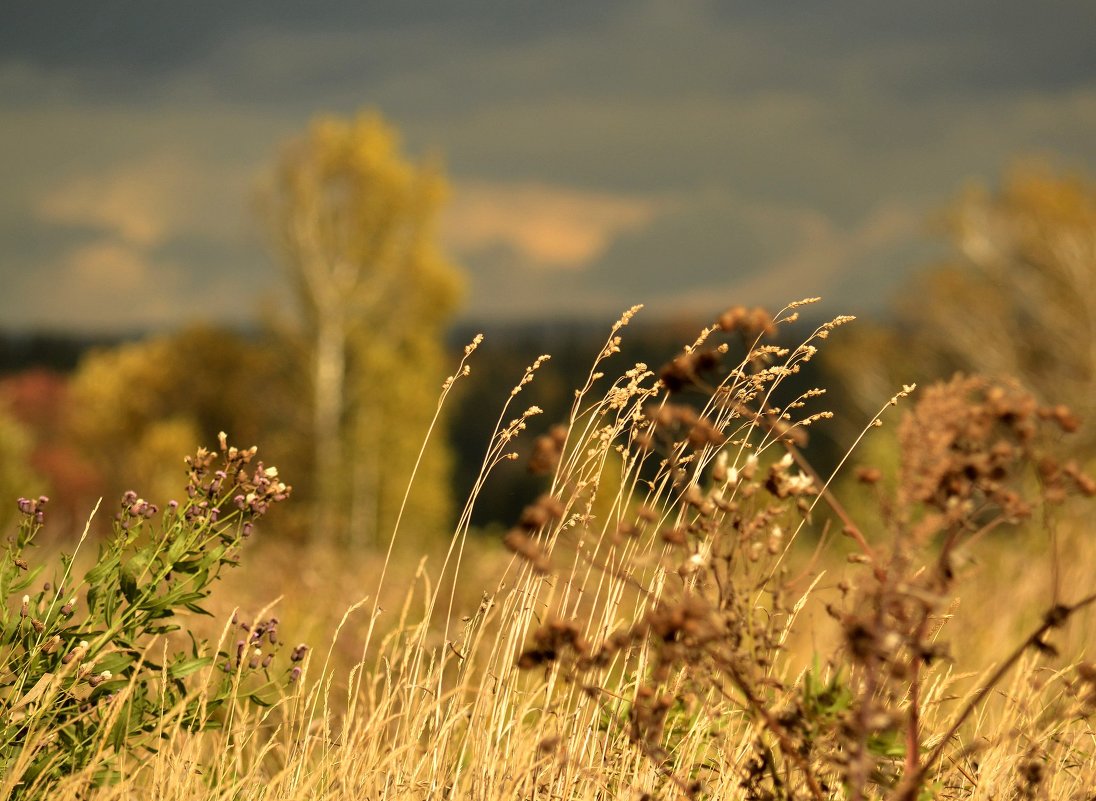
x,y
685,155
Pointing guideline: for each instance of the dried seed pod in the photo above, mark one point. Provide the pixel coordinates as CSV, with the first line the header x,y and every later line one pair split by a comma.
x,y
519,542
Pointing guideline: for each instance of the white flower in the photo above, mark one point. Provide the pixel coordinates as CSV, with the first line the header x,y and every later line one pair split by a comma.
x,y
799,483
697,561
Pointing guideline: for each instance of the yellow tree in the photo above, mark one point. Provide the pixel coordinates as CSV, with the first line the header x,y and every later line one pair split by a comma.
x,y
136,409
1018,297
357,223
1015,297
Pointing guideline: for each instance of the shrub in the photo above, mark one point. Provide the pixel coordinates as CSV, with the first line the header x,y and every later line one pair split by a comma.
x,y
86,679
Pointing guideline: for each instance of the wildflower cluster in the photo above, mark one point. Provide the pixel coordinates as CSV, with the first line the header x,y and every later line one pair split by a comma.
x,y
35,509
256,649
74,661
254,488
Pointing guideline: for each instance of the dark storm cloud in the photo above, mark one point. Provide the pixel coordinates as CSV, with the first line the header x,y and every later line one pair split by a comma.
x,y
975,45
599,151
979,45
153,39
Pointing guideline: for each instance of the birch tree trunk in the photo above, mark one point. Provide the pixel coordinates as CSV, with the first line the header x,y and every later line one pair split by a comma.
x,y
328,396
357,221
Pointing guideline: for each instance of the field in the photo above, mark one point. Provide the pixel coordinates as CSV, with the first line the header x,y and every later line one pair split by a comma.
x,y
688,611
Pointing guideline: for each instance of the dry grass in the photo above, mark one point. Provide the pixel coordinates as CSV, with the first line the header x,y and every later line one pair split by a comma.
x,y
659,625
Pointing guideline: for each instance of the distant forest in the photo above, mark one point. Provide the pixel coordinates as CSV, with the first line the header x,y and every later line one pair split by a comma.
x,y
496,367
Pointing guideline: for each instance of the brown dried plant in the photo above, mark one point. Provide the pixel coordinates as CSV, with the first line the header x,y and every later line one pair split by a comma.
x,y
715,489
639,636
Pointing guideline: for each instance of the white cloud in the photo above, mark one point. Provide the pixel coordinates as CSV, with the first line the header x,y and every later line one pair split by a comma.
x,y
547,226
110,268
147,200
152,235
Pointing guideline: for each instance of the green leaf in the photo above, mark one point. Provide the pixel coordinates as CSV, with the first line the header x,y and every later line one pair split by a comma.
x,y
162,629
257,699
130,574
187,565
25,580
115,662
103,568
887,744
110,606
176,550
185,667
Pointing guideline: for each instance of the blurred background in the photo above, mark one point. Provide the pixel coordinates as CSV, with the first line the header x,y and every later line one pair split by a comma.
x,y
286,220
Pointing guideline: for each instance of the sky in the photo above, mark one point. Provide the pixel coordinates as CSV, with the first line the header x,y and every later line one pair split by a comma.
x,y
684,155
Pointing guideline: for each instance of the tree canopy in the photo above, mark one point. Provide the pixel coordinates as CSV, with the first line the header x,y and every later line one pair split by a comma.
x,y
1015,297
356,222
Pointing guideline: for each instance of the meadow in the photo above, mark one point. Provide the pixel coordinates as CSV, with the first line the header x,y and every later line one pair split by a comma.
x,y
690,610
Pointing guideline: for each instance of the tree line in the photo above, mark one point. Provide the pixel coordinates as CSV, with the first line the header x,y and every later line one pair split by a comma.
x,y
342,387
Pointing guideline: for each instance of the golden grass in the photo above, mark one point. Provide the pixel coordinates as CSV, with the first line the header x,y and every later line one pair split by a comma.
x,y
412,688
